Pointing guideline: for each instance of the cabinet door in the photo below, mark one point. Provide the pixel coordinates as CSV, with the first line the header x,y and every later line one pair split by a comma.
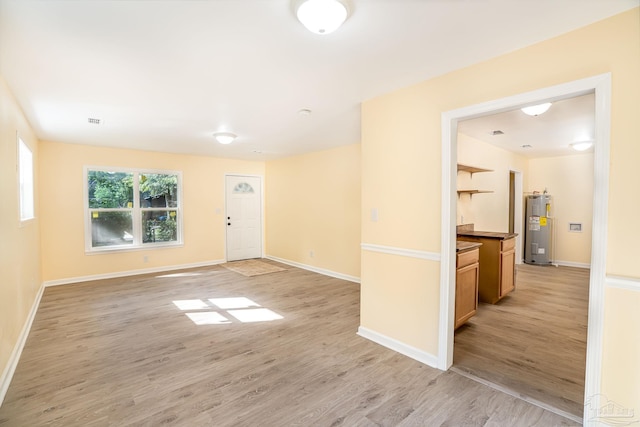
x,y
466,293
508,271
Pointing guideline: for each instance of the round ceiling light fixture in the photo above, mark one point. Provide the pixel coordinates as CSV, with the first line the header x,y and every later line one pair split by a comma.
x,y
581,145
321,16
536,110
225,137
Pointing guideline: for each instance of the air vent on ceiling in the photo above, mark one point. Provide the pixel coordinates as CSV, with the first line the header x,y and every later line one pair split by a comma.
x,y
94,121
497,132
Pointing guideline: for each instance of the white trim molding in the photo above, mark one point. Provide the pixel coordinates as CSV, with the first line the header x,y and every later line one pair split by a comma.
x,y
601,86
572,264
318,270
400,347
115,275
630,284
411,253
14,358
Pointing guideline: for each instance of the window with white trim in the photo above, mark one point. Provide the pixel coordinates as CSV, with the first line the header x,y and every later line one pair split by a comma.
x,y
25,181
128,209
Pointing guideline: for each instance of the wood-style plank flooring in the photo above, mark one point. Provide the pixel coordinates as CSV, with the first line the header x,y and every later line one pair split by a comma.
x,y
120,352
533,341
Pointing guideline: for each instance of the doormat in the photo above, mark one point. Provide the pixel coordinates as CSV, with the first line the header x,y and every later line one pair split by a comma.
x,y
252,267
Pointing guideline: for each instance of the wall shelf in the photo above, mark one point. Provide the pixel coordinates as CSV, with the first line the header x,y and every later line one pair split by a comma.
x,y
472,169
472,192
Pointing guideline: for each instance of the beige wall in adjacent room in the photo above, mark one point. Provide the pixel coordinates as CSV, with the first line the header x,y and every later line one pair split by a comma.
x,y
401,164
20,275
487,211
62,207
569,180
313,209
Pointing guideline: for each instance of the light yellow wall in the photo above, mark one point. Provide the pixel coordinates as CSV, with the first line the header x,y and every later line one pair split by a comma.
x,y
19,250
402,167
62,207
390,286
313,205
487,211
569,180
621,353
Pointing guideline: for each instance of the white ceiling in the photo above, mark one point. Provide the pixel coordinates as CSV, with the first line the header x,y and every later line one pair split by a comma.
x,y
165,75
549,134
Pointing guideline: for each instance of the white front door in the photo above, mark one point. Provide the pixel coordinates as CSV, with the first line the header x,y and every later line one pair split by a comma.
x,y
244,217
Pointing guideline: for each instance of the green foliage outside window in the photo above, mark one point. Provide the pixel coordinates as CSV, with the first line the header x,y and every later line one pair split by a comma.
x,y
111,205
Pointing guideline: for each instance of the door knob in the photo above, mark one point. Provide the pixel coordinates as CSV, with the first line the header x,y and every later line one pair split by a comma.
x,y
228,223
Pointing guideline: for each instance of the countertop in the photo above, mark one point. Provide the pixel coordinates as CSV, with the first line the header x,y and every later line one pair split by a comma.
x,y
462,246
488,234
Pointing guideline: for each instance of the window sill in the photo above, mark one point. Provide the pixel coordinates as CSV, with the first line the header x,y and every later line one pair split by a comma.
x,y
120,249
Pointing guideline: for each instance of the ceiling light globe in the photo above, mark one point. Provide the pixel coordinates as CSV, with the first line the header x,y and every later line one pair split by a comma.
x,y
322,16
536,110
582,145
224,137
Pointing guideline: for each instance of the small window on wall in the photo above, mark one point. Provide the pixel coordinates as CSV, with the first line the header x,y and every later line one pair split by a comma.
x,y
25,181
128,209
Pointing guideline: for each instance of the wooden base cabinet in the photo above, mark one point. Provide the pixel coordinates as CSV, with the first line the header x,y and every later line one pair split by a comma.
x,y
497,266
467,274
507,266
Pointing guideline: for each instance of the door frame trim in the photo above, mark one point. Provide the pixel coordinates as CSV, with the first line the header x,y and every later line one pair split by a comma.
x,y
601,86
518,211
262,244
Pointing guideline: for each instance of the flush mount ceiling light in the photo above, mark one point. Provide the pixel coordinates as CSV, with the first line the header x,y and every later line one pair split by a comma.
x,y
536,110
581,145
224,137
321,16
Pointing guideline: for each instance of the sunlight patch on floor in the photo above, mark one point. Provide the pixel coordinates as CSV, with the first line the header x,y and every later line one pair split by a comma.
x,y
255,315
208,318
191,304
222,311
238,302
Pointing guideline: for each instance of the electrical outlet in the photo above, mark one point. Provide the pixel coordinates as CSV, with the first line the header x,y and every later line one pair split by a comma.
x,y
145,258
311,254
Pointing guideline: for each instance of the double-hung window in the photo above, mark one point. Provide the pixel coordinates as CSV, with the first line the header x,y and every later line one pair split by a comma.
x,y
25,181
128,209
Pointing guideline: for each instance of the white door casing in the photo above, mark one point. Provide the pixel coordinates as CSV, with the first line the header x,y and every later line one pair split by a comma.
x,y
243,218
601,85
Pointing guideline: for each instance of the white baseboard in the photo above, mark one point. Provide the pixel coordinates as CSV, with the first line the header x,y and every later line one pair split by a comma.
x,y
315,269
572,264
115,275
14,358
397,346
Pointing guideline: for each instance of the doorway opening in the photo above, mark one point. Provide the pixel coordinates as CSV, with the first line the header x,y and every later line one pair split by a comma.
x,y
529,341
601,87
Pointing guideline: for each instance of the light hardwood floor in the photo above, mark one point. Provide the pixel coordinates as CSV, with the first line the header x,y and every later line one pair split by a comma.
x,y
119,352
533,342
